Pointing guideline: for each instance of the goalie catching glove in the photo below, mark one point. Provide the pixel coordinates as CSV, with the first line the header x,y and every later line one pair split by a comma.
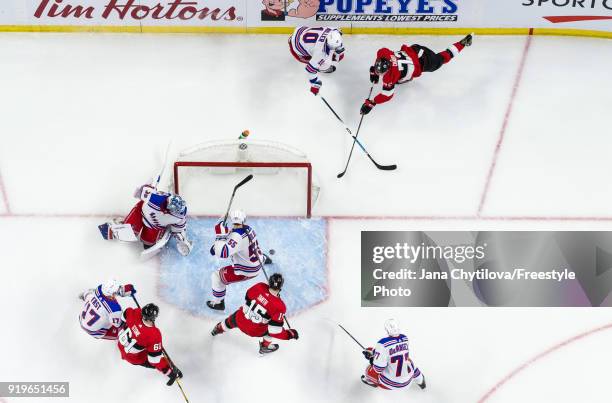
x,y
183,245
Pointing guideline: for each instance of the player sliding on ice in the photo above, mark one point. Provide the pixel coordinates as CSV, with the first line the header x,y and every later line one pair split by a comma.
x,y
140,342
157,216
403,66
262,315
390,364
320,49
101,315
240,245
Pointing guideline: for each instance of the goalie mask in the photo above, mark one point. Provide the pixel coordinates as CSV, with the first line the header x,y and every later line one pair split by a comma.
x,y
176,204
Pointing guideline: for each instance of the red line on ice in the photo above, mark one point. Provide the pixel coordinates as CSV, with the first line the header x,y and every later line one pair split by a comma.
x,y
502,132
538,357
5,199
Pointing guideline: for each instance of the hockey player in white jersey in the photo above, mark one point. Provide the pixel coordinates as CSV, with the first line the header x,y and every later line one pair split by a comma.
x,y
320,48
101,315
240,245
157,216
390,364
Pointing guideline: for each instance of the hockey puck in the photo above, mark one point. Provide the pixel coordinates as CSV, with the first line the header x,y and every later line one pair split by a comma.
x,y
271,251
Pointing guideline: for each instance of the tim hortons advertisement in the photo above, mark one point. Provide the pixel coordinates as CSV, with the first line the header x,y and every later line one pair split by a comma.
x,y
126,12
355,11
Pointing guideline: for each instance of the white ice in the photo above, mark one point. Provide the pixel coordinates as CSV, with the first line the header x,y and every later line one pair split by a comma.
x,y
86,118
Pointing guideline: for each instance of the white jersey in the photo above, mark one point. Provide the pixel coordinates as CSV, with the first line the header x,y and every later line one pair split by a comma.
x,y
100,313
393,364
310,47
154,212
242,248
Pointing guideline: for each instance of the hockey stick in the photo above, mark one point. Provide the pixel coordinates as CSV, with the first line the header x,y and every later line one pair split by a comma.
x,y
351,336
177,380
359,143
268,280
242,182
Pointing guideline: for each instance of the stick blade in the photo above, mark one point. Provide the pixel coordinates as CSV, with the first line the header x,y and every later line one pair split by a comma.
x,y
245,180
387,167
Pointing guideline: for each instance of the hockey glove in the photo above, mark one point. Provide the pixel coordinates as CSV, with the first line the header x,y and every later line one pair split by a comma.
x,y
368,354
315,84
337,57
221,231
292,334
367,106
173,374
373,76
127,290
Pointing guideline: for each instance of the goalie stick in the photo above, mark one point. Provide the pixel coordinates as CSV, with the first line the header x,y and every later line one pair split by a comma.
x,y
177,381
359,143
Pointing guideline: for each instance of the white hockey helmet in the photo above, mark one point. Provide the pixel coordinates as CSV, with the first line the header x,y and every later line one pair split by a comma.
x,y
110,288
392,327
334,41
237,217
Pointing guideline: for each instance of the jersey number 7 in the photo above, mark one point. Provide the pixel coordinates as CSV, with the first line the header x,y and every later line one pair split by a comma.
x,y
399,359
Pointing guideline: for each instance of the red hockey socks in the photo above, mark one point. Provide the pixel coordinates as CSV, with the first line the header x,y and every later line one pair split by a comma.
x,y
451,52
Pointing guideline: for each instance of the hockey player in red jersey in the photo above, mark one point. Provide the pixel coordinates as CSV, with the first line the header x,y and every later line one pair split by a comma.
x,y
140,342
262,315
405,65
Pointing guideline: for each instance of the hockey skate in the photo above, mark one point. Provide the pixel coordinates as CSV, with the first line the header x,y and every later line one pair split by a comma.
x,y
367,382
270,348
219,306
218,329
467,41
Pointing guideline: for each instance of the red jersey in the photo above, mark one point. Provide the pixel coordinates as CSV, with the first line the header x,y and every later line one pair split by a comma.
x,y
263,313
141,344
404,67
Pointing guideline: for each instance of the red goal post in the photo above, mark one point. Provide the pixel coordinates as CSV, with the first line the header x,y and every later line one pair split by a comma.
x,y
239,157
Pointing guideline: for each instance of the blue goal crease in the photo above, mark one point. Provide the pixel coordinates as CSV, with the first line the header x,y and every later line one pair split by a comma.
x,y
301,249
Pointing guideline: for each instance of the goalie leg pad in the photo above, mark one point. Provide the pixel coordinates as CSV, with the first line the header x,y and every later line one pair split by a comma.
x,y
150,236
134,217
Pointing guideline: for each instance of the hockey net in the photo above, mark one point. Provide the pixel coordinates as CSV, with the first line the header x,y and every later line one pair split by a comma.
x,y
283,184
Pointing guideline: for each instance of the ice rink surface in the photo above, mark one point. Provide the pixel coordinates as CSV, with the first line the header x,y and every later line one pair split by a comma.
x,y
512,134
